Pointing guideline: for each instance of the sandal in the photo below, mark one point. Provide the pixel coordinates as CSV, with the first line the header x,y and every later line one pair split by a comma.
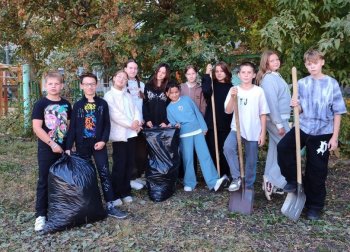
x,y
267,188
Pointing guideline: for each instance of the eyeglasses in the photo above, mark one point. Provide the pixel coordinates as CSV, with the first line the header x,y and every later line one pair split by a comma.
x,y
121,78
89,84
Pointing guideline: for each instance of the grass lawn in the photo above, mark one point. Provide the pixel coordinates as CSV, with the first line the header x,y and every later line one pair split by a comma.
x,y
195,221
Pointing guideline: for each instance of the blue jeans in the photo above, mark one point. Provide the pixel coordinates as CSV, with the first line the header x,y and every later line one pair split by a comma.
x,y
251,157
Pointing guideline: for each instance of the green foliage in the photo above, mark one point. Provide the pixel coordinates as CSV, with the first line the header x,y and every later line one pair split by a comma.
x,y
344,135
12,125
301,25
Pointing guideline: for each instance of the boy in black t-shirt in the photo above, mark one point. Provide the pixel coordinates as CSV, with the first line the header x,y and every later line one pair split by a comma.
x,y
50,118
89,129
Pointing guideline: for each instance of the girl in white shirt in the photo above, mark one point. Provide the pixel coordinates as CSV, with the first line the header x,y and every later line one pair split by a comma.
x,y
125,125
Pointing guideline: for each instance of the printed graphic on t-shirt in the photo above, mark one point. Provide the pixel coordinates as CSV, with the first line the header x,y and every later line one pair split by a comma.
x,y
152,96
90,120
55,119
323,147
243,101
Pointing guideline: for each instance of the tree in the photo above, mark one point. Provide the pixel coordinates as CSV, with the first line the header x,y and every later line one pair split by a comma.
x,y
301,25
104,33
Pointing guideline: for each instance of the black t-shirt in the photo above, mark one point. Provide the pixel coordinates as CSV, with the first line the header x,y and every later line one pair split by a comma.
x,y
55,116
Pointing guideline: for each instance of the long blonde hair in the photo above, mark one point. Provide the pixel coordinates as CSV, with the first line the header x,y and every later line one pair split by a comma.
x,y
264,65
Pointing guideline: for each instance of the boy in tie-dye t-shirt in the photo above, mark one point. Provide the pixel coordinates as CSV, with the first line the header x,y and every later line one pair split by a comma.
x,y
320,105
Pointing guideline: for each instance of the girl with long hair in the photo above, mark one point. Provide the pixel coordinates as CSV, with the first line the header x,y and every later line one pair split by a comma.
x,y
221,85
278,98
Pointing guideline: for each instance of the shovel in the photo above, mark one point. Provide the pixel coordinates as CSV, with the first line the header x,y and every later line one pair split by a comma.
x,y
241,201
294,203
217,155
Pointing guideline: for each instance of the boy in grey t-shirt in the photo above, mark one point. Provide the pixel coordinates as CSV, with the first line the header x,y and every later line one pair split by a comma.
x,y
320,104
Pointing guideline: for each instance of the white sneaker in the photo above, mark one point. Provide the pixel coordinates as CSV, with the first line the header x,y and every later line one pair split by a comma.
x,y
188,189
220,183
136,185
39,223
117,202
141,181
235,185
127,199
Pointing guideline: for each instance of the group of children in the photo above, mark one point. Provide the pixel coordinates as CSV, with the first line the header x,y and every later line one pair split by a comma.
x,y
131,105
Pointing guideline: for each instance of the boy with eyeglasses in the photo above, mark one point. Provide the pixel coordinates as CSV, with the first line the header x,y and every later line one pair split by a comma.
x,y
89,129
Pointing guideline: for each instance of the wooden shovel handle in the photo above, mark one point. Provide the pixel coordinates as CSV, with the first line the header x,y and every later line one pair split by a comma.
x,y
296,125
215,127
239,140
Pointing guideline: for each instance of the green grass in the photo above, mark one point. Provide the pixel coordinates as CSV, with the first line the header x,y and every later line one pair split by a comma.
x,y
196,221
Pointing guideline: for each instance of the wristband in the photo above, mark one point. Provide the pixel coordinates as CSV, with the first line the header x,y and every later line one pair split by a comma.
x,y
54,147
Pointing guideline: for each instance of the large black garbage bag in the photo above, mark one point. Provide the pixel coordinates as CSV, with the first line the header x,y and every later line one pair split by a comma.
x,y
163,162
73,194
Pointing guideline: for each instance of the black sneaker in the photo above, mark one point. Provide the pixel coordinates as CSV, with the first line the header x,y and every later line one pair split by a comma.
x,y
116,213
290,187
313,214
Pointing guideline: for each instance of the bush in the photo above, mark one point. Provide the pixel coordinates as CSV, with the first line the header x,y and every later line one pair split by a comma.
x,y
344,136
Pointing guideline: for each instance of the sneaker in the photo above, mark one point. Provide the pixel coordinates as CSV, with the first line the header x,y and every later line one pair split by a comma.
x,y
141,181
235,185
127,199
267,187
290,187
117,202
39,223
188,189
116,213
135,185
277,190
313,214
220,183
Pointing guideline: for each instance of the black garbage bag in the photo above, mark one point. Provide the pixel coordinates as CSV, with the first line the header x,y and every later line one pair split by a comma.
x,y
73,194
163,162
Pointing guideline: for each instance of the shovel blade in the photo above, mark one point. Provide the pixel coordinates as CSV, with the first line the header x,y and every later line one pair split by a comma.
x,y
241,201
294,204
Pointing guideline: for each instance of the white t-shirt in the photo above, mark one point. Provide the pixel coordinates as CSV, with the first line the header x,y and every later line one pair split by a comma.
x,y
251,104
134,91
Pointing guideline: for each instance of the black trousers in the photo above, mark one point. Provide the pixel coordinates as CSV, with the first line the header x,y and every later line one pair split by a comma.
x,y
123,161
86,150
140,157
46,158
316,170
222,135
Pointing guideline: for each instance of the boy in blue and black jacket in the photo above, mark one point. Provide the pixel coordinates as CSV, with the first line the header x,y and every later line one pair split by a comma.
x,y
89,129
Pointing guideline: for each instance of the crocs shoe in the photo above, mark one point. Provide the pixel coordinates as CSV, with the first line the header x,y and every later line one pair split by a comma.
x,y
267,187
